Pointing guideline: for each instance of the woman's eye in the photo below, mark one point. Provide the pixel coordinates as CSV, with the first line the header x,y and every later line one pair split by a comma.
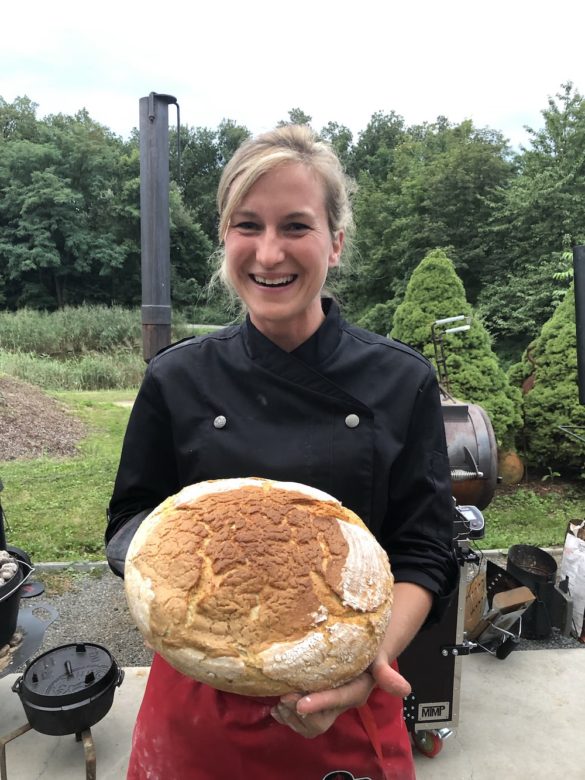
x,y
247,226
297,227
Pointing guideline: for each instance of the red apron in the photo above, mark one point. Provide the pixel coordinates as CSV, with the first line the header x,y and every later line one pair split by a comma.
x,y
189,731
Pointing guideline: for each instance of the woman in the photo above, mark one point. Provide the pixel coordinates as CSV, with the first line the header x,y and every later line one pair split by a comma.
x,y
292,394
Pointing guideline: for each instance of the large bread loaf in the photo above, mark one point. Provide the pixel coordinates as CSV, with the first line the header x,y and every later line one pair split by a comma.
x,y
259,587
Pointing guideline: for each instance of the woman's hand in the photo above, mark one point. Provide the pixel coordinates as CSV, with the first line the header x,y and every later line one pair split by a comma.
x,y
312,714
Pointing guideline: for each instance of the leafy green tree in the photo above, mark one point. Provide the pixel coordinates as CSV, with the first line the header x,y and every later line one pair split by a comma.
x,y
70,214
517,304
447,172
548,374
125,281
57,236
203,157
190,251
296,116
379,318
374,151
434,194
436,292
18,120
540,211
341,139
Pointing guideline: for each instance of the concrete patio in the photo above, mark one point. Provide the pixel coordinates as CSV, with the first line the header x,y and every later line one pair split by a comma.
x,y
519,718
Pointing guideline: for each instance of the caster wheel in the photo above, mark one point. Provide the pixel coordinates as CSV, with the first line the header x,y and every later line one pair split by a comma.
x,y
429,743
504,650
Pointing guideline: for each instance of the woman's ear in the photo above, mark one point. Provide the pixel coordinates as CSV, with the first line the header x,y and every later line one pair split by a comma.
x,y
336,249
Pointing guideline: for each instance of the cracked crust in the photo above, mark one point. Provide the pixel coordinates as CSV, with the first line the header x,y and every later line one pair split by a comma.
x,y
259,587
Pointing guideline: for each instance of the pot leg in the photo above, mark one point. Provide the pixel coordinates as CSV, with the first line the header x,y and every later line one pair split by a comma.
x,y
90,757
4,741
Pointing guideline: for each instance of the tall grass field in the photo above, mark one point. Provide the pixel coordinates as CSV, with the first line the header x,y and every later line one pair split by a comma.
x,y
84,348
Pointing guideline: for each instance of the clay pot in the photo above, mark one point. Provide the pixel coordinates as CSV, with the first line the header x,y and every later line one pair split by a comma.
x,y
510,467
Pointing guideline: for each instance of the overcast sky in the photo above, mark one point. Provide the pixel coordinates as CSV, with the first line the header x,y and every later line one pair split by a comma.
x,y
494,62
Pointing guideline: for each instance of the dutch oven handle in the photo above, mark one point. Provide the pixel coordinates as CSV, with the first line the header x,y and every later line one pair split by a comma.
x,y
120,679
18,586
17,684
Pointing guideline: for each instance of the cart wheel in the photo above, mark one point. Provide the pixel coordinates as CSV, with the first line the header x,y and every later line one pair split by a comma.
x,y
429,743
504,650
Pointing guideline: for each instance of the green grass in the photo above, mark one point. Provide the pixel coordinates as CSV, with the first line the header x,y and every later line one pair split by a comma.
x,y
73,330
81,330
534,514
93,371
55,508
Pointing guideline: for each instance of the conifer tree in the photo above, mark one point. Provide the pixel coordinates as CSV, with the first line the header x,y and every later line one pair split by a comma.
x,y
548,375
435,292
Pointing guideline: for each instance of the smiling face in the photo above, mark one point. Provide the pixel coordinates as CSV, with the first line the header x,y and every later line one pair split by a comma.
x,y
278,250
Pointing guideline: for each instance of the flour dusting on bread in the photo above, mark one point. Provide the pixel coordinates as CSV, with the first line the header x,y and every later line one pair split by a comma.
x,y
259,587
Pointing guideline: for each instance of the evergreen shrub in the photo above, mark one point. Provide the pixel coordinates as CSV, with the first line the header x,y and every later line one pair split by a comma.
x,y
548,372
435,292
378,318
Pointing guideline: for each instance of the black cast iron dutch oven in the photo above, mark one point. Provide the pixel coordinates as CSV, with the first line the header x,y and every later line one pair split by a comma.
x,y
69,688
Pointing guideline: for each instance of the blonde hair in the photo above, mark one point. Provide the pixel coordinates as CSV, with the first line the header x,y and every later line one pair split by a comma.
x,y
286,144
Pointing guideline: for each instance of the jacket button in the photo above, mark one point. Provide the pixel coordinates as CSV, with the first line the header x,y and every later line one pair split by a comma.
x,y
220,421
352,421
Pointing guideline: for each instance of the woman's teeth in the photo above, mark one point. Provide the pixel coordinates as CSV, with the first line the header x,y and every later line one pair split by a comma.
x,y
282,280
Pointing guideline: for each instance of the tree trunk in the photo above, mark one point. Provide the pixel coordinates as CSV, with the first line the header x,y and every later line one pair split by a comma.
x,y
59,290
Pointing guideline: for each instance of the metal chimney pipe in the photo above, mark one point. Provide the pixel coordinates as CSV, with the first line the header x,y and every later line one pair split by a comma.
x,y
579,276
155,222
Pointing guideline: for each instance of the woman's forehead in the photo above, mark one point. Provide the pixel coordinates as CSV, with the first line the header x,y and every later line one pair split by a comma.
x,y
293,185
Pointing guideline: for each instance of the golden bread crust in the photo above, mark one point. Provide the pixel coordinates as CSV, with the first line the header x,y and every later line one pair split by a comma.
x,y
259,587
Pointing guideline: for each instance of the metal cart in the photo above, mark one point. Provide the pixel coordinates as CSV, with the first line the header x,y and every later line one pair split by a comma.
x,y
432,662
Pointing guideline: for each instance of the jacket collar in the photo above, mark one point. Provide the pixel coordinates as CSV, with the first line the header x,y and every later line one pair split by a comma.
x,y
314,350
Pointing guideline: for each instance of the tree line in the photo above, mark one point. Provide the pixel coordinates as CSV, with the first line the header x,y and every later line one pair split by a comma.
x,y
507,219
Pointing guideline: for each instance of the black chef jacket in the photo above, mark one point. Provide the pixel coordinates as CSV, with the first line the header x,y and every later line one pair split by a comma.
x,y
348,412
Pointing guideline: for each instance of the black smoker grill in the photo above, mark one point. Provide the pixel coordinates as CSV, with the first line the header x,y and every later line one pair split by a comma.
x,y
432,662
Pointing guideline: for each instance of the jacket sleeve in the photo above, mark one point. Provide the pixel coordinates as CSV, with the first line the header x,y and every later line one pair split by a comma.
x,y
147,472
419,527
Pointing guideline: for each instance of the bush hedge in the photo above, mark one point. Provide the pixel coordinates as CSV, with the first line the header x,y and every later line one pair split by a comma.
x,y
548,373
435,292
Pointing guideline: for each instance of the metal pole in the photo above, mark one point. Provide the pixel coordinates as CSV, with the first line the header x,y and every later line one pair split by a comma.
x,y
579,275
155,222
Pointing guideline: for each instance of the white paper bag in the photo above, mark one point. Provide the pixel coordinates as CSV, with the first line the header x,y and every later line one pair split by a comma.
x,y
573,567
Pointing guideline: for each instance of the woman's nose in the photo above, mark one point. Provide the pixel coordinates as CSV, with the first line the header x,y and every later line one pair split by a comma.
x,y
269,249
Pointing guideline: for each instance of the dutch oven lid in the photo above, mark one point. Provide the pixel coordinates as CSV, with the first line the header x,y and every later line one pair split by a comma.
x,y
68,675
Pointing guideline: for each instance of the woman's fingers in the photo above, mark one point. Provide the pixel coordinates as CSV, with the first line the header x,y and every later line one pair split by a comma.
x,y
352,694
308,726
312,714
389,679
